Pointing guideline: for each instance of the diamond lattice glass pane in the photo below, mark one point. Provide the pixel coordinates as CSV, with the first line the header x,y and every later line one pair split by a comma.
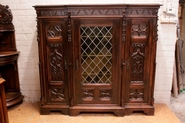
x,y
96,54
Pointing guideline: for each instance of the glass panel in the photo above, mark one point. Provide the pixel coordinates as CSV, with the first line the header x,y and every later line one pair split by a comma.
x,y
96,54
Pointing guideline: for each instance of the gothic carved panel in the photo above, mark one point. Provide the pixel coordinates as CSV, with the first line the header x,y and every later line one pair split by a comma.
x,y
56,62
53,30
105,94
57,94
5,15
88,12
137,66
139,30
136,95
87,94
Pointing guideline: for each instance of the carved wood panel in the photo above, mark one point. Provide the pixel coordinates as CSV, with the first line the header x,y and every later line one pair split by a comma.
x,y
56,60
138,59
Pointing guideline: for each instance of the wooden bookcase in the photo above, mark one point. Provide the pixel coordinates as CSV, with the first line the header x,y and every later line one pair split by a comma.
x,y
97,58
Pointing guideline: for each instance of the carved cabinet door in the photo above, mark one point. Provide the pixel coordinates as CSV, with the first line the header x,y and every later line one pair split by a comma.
x,y
96,61
139,60
55,86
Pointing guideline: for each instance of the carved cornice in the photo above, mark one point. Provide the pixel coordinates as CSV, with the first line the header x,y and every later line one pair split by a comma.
x,y
52,13
141,12
89,12
5,15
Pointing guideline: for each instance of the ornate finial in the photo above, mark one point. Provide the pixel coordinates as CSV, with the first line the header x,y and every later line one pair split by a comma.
x,y
5,15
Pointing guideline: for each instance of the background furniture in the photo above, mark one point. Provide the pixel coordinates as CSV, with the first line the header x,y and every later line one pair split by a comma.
x,y
97,58
8,57
3,108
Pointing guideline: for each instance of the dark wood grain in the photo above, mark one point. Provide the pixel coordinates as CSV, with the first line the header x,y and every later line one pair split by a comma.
x,y
65,33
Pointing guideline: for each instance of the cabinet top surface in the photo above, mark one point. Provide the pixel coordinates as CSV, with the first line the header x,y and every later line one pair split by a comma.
x,y
101,5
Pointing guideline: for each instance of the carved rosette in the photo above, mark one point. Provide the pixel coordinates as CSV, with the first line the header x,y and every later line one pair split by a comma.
x,y
139,30
136,95
5,15
57,94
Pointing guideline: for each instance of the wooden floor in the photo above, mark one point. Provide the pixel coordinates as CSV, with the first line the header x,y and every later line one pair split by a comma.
x,y
29,113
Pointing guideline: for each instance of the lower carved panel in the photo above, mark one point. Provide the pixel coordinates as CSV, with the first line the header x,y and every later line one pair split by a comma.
x,y
105,94
136,95
57,94
88,94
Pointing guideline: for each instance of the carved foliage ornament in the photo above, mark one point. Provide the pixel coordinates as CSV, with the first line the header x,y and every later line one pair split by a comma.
x,y
5,15
57,93
88,94
139,30
136,94
105,94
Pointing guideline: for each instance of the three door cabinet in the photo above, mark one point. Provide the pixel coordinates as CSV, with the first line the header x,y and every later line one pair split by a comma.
x,y
97,58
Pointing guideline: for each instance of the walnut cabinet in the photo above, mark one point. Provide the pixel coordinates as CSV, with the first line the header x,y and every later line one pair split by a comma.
x,y
97,58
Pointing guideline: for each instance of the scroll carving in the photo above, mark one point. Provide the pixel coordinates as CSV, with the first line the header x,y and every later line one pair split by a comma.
x,y
5,15
136,94
57,94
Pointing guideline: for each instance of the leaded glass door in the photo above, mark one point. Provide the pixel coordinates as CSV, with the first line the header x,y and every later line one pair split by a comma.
x,y
96,61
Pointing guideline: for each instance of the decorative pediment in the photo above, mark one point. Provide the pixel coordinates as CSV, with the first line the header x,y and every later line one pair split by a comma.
x,y
5,15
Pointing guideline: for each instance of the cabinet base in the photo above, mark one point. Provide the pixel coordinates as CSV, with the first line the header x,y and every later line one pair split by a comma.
x,y
117,110
147,109
13,98
46,109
